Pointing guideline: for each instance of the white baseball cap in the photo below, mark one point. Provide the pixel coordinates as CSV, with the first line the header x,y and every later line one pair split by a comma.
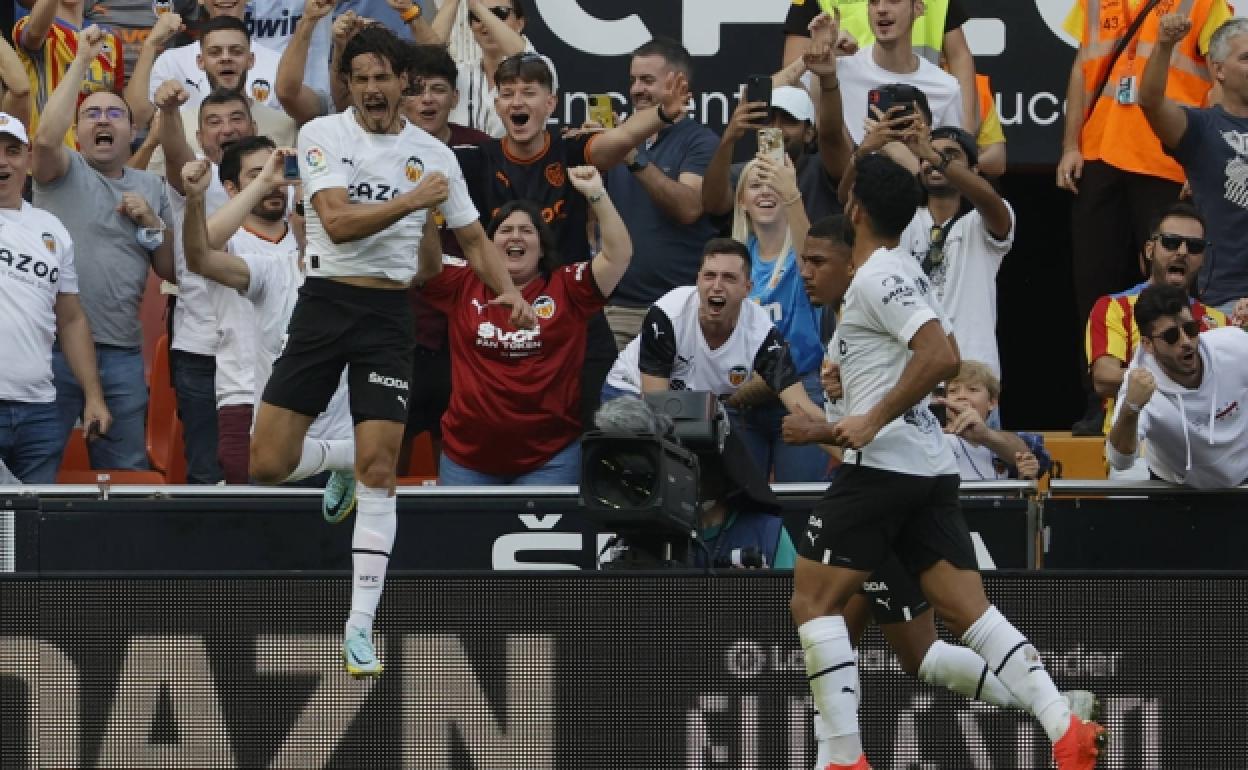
x,y
13,127
794,101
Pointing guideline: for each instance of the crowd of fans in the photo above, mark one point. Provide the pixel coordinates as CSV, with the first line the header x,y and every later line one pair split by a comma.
x,y
650,258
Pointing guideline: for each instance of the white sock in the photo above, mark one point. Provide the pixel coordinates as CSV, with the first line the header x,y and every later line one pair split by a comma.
x,y
823,755
320,455
833,675
961,670
375,525
1017,664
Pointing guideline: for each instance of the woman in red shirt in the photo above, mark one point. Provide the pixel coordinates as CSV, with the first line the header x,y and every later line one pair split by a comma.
x,y
514,415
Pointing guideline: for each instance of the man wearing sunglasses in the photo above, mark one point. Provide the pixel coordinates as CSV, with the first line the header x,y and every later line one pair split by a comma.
x,y
1186,394
117,218
1173,256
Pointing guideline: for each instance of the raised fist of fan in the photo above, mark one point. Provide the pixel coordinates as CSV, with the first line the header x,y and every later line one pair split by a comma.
x,y
196,176
1141,384
90,43
170,96
1173,28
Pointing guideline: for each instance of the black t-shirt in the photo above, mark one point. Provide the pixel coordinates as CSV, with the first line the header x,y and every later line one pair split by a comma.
x,y
496,177
801,15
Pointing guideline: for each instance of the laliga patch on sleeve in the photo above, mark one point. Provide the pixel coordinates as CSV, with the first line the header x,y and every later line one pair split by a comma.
x,y
317,162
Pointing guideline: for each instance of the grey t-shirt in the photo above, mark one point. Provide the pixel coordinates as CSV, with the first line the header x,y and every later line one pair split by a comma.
x,y
1214,153
112,266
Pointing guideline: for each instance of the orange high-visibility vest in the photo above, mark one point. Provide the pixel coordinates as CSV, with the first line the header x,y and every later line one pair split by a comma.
x,y
1119,134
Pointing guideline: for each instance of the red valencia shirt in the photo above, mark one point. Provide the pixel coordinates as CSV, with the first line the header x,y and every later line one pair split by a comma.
x,y
515,393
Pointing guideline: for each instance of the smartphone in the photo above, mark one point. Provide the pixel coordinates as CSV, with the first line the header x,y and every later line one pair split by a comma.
x,y
602,110
758,89
290,167
771,144
892,95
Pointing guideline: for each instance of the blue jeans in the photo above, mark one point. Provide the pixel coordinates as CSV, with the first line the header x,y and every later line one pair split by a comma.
x,y
563,468
125,393
760,429
194,384
31,441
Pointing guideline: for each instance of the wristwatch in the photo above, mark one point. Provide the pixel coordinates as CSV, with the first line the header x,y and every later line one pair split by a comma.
x,y
640,161
150,238
411,14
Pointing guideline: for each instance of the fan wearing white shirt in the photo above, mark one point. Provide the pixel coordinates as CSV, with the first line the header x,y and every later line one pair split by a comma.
x,y
891,59
897,492
201,390
224,57
960,238
38,303
1185,394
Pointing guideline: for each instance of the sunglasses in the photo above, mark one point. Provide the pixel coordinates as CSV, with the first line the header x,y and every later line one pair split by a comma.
x,y
1171,242
113,113
501,11
1171,336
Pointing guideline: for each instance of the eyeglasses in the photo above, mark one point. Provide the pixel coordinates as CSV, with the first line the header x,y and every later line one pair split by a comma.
x,y
113,113
1171,336
1171,242
501,11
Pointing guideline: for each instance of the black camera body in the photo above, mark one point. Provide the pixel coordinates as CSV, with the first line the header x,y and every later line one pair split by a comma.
x,y
641,477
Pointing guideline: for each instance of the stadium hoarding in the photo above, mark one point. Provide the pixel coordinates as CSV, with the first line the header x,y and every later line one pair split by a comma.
x,y
589,41
576,671
504,528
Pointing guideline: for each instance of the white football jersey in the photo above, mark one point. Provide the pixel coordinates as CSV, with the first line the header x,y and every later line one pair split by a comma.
x,y
336,152
36,265
194,321
886,304
690,364
272,291
182,64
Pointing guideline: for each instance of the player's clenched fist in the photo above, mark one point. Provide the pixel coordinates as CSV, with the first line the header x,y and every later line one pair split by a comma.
x,y
433,190
1140,387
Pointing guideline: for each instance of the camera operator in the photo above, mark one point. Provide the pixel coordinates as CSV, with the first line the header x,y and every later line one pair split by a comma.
x,y
739,522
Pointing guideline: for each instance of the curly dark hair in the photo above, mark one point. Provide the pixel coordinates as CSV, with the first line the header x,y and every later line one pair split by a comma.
x,y
889,193
377,40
